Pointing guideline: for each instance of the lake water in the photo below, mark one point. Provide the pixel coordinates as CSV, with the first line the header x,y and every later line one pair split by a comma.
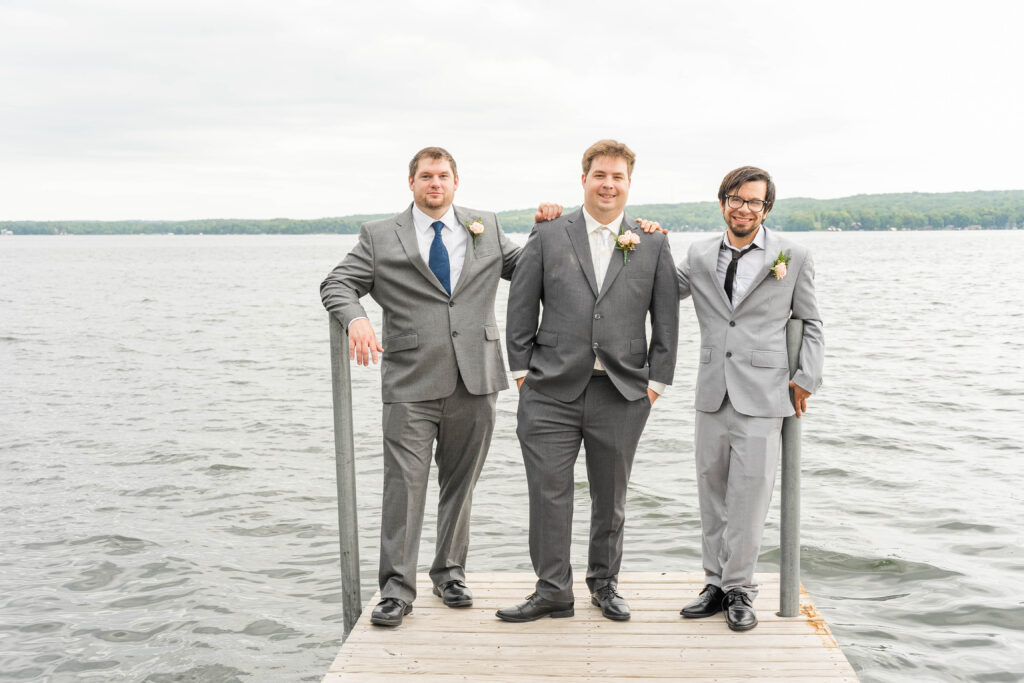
x,y
168,500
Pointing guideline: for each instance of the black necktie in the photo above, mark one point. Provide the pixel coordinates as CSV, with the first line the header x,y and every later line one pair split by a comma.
x,y
730,272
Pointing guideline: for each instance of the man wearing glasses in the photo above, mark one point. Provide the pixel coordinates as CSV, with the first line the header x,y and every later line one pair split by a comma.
x,y
745,285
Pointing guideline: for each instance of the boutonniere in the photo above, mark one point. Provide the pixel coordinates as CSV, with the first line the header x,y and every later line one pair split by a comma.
x,y
778,268
626,242
476,228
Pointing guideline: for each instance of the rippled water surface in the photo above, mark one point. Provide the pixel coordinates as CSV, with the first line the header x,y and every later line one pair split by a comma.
x,y
167,497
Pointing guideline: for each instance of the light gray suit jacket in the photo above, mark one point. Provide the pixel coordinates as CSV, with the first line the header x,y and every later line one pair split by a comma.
x,y
556,269
743,351
428,337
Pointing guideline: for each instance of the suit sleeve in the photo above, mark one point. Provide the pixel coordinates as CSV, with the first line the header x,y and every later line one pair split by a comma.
x,y
524,299
350,280
509,252
683,276
812,349
664,319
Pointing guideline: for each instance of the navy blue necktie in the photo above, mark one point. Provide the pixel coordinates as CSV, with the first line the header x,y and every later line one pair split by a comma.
x,y
439,265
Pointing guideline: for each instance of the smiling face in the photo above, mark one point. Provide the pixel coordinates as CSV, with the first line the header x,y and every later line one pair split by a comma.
x,y
433,186
743,222
606,187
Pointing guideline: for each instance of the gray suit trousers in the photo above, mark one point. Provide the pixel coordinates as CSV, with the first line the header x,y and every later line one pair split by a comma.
x,y
737,456
550,433
462,424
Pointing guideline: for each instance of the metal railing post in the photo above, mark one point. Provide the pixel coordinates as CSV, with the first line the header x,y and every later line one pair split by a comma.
x,y
789,536
345,466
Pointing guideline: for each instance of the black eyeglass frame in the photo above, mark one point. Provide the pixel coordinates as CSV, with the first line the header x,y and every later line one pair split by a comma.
x,y
742,201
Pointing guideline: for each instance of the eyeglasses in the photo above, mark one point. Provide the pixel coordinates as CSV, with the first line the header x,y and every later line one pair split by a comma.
x,y
734,202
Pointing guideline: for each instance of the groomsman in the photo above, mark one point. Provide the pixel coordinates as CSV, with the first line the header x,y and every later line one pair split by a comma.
x,y
434,270
587,374
746,284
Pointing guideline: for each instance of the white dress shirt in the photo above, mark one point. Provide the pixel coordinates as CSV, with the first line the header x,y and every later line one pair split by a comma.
x,y
602,244
602,247
746,269
453,235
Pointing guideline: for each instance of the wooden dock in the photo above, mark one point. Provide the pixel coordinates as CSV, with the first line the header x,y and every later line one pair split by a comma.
x,y
436,644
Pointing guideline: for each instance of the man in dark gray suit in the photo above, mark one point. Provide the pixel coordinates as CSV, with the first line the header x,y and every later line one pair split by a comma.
x,y
587,374
746,285
434,270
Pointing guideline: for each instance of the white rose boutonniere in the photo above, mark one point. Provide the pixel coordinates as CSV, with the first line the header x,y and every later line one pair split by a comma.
x,y
779,268
476,228
626,242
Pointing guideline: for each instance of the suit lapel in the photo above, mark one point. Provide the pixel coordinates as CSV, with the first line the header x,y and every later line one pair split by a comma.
x,y
615,265
770,252
577,230
709,260
406,231
470,259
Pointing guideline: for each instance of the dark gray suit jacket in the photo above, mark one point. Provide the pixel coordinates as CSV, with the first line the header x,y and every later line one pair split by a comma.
x,y
556,269
429,338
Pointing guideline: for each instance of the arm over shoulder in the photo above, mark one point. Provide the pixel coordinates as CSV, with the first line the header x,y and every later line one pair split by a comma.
x,y
524,298
664,318
509,252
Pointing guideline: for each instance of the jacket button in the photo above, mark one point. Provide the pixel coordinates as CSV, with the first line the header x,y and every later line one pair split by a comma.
x,y
451,304
455,334
732,323
596,345
728,354
597,316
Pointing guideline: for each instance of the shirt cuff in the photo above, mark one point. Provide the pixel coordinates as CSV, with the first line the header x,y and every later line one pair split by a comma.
x,y
657,387
516,374
362,317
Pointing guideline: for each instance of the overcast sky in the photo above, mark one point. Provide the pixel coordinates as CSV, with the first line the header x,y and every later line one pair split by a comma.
x,y
178,109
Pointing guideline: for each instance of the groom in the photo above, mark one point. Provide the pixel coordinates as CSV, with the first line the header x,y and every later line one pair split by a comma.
x,y
587,374
746,284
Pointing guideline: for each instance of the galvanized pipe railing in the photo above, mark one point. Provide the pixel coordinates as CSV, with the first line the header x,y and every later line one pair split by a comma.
x,y
345,466
789,534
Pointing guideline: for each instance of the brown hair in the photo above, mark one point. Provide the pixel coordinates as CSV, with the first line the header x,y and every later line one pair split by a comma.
x,y
433,153
608,148
746,174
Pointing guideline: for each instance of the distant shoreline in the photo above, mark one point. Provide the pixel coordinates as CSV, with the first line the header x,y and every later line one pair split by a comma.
x,y
981,210
511,232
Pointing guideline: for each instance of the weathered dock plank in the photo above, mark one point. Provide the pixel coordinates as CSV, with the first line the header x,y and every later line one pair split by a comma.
x,y
442,645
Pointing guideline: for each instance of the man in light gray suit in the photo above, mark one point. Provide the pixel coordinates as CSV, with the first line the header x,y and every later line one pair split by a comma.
x,y
587,374
745,284
434,270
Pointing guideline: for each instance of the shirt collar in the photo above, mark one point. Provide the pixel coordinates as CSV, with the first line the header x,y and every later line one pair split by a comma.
x,y
593,224
422,221
758,240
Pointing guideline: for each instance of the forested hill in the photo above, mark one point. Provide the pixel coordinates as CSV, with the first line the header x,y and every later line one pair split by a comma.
x,y
911,211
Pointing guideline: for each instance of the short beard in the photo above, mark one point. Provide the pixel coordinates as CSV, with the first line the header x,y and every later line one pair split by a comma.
x,y
749,231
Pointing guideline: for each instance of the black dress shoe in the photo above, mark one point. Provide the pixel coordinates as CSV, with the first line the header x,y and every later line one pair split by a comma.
x,y
536,607
739,613
613,606
389,612
454,593
708,603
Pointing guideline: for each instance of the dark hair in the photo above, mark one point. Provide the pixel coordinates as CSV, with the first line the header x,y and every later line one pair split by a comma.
x,y
433,153
746,174
609,148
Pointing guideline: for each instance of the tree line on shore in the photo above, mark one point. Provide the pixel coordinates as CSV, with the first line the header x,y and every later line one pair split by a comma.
x,y
1002,210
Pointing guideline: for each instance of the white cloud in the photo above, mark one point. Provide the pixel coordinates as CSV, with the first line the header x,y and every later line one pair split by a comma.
x,y
259,109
